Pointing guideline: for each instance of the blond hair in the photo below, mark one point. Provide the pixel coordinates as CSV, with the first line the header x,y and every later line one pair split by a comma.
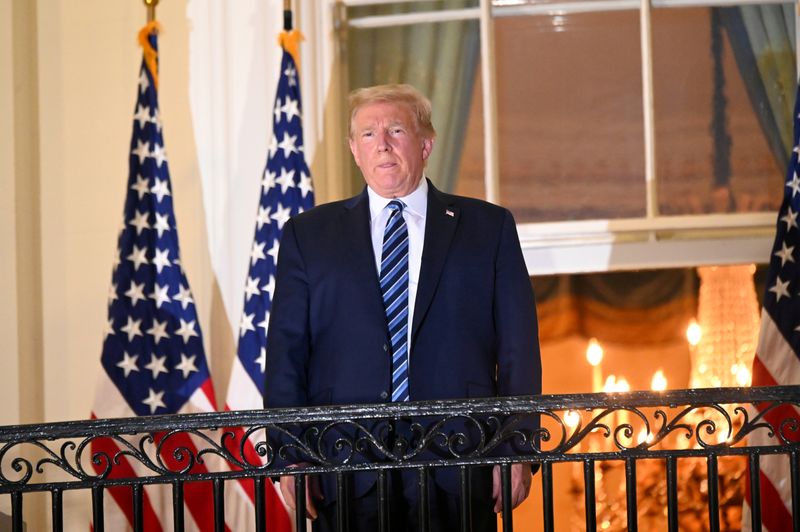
x,y
400,93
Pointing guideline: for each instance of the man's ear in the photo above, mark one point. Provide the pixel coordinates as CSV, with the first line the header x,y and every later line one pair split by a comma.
x,y
427,148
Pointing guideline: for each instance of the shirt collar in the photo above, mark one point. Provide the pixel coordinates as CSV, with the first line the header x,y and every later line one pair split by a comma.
x,y
415,203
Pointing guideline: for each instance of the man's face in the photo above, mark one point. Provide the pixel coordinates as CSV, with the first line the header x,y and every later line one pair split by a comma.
x,y
388,148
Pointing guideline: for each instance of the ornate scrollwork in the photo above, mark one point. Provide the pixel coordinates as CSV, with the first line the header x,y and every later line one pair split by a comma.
x,y
433,433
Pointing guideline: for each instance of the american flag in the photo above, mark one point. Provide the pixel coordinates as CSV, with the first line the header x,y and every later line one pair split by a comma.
x,y
286,190
153,360
777,360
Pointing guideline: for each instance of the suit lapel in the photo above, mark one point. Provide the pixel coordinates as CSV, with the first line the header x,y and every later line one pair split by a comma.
x,y
440,226
358,241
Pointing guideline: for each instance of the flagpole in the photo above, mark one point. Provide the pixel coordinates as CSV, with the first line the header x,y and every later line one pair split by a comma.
x,y
151,9
287,15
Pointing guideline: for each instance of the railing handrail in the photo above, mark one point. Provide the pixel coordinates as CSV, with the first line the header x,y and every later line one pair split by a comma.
x,y
583,401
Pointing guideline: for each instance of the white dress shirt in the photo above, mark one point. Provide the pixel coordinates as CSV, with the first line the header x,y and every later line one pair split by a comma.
x,y
416,207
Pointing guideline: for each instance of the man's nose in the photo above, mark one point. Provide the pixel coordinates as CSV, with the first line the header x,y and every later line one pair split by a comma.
x,y
383,142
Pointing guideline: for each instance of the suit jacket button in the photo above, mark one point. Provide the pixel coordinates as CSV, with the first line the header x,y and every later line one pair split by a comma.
x,y
384,394
385,347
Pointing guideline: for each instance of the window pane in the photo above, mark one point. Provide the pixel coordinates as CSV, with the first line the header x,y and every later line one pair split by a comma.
x,y
713,68
569,117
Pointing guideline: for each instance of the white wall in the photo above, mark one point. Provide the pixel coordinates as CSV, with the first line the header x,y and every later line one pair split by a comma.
x,y
66,126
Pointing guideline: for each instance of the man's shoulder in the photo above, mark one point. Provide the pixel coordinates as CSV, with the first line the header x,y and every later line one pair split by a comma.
x,y
326,211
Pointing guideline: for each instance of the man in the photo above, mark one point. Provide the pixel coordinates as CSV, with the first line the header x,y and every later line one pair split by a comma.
x,y
402,293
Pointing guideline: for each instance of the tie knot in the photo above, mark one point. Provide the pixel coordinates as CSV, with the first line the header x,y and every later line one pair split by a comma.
x,y
396,205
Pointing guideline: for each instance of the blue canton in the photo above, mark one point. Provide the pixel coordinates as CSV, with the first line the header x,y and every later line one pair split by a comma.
x,y
286,190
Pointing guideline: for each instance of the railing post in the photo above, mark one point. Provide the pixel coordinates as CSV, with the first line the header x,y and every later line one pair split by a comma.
x,y
588,495
672,494
505,480
630,493
547,496
97,509
58,510
300,502
755,492
713,493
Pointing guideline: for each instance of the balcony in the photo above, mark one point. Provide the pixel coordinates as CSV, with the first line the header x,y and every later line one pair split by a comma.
x,y
606,437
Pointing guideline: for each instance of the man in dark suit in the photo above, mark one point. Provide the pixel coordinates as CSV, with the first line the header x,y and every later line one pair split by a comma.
x,y
402,293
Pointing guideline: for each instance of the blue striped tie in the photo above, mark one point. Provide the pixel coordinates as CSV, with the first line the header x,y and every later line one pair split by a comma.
x,y
394,288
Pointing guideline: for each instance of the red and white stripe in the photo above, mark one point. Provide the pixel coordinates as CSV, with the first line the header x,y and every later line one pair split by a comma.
x,y
240,496
157,498
776,363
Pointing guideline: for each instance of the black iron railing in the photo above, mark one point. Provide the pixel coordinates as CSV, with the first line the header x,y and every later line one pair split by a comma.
x,y
622,429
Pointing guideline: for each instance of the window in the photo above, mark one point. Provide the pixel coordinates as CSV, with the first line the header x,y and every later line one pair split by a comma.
x,y
620,135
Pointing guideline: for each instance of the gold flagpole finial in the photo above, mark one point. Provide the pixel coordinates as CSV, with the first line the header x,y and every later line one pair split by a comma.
x,y
151,9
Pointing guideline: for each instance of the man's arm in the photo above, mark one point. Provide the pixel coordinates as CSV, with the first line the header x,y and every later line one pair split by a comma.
x,y
519,365
288,348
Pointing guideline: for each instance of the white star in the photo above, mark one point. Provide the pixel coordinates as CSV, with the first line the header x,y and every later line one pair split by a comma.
x,y
794,184
780,289
184,296
186,330
290,109
273,252
154,400
128,363
159,293
161,260
157,365
162,223
108,328
273,146
270,286
132,328
142,115
282,215
144,82
263,216
160,189
286,180
142,186
112,293
288,144
142,150
137,257
785,254
277,111
158,331
262,360
264,324
159,155
135,292
790,218
115,261
246,324
187,365
157,120
305,185
251,288
291,73
140,222
257,253
268,180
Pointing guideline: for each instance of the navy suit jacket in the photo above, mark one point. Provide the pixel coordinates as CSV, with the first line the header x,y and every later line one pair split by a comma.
x,y
474,331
